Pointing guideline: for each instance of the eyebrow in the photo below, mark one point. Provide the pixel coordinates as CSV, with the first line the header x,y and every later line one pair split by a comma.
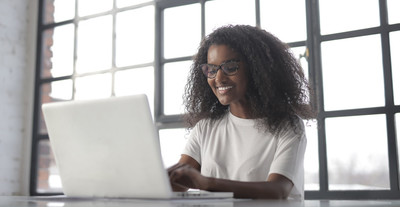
x,y
227,61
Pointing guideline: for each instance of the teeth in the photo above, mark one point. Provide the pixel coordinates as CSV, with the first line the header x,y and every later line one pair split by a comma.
x,y
224,88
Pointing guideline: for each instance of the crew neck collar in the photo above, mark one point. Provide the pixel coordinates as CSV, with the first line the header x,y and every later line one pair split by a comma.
x,y
241,121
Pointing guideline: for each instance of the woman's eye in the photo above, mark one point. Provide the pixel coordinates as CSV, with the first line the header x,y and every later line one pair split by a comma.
x,y
212,71
230,69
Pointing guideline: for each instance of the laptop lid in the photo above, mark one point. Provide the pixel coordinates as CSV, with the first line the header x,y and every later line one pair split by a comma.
x,y
107,148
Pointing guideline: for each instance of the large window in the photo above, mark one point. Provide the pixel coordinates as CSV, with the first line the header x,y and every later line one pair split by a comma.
x,y
95,49
87,50
353,65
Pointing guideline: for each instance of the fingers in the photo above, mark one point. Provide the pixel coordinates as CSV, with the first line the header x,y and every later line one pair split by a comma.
x,y
174,167
175,175
178,187
176,180
181,175
185,175
177,171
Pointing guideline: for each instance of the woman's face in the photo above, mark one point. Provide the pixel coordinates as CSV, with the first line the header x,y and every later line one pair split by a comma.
x,y
230,90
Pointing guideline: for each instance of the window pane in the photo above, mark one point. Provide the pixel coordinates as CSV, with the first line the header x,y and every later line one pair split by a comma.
x,y
136,81
395,53
93,87
94,44
393,10
48,178
311,161
300,54
175,77
223,12
135,36
54,92
124,3
61,90
172,143
59,10
344,15
352,73
88,7
288,26
58,52
357,153
182,30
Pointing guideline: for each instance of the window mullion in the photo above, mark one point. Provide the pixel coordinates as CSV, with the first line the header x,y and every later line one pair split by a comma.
x,y
389,99
314,47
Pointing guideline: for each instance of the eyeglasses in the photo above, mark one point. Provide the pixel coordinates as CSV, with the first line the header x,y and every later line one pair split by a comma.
x,y
229,67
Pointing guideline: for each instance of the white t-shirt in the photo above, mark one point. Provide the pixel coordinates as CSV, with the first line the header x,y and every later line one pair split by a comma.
x,y
233,148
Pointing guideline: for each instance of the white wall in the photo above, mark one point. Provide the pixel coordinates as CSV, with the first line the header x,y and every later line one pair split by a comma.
x,y
17,60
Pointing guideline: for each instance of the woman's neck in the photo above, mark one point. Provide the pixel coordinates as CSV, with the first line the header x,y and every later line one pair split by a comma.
x,y
241,111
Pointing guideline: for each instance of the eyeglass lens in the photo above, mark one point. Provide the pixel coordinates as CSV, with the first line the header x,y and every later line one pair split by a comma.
x,y
229,68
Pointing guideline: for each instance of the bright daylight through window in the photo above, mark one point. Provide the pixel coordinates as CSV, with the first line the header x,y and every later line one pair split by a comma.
x,y
96,49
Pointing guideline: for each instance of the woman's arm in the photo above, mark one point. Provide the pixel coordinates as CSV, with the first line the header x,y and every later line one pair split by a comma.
x,y
276,187
186,174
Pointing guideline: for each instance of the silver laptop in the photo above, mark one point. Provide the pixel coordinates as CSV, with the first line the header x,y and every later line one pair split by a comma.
x,y
110,148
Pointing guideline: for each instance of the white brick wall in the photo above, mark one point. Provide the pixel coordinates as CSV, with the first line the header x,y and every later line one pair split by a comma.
x,y
17,47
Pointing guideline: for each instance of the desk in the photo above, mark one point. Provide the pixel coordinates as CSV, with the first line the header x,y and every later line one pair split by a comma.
x,y
19,201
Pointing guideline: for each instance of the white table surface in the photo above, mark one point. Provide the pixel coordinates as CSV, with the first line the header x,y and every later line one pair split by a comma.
x,y
22,201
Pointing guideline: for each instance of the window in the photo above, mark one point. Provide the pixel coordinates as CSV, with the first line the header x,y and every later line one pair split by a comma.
x,y
295,28
140,47
351,167
354,73
395,52
88,49
223,12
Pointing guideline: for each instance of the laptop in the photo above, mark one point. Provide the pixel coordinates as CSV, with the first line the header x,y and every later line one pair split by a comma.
x,y
110,148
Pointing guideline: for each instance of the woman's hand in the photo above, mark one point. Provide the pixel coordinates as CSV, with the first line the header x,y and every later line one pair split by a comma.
x,y
185,160
175,186
183,176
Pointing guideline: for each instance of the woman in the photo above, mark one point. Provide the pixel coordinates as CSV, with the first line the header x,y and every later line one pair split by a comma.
x,y
243,98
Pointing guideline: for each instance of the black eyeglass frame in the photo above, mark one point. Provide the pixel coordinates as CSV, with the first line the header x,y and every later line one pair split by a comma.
x,y
218,67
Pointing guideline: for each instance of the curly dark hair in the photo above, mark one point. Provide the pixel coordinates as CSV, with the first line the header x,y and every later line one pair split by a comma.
x,y
277,89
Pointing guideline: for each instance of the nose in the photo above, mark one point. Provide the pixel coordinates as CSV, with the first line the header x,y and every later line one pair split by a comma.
x,y
220,77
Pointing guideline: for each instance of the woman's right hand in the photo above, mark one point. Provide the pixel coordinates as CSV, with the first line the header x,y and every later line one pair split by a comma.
x,y
184,174
175,186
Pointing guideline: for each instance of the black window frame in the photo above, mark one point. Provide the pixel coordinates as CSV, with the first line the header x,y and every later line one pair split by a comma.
x,y
313,44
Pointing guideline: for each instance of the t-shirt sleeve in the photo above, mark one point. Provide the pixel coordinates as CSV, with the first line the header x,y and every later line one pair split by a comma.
x,y
192,147
289,156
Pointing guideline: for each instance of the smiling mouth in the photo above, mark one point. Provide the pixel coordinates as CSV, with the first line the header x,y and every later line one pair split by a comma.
x,y
223,90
